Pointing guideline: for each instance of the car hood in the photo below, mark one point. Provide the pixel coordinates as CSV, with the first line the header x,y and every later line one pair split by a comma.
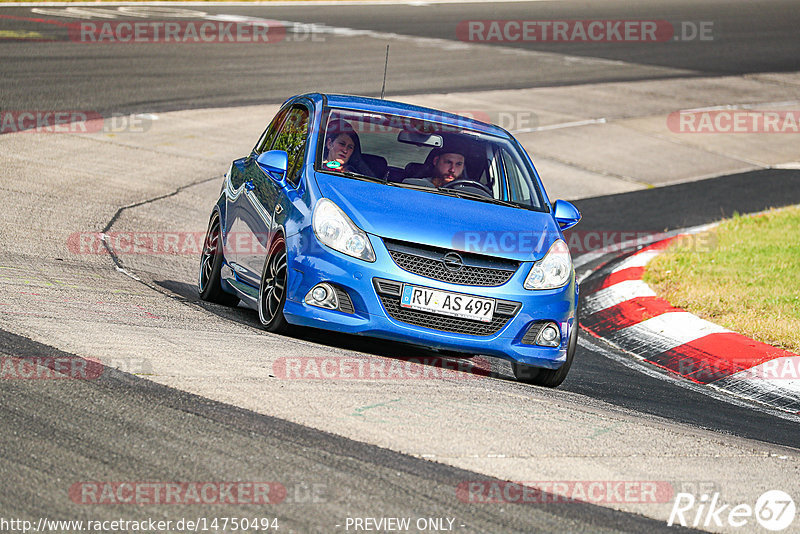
x,y
441,221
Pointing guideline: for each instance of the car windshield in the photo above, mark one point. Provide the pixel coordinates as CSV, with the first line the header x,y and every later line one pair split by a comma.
x,y
427,155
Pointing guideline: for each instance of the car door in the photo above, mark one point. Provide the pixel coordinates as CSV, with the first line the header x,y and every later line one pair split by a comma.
x,y
263,192
236,232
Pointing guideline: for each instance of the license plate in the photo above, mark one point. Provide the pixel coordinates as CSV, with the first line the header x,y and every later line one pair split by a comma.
x,y
447,303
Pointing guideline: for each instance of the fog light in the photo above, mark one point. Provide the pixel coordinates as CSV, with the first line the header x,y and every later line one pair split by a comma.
x,y
319,293
322,296
549,336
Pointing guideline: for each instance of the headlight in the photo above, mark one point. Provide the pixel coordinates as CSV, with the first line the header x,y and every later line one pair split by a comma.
x,y
335,229
553,270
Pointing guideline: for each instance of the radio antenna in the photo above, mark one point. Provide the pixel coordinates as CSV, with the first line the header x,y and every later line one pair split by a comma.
x,y
385,67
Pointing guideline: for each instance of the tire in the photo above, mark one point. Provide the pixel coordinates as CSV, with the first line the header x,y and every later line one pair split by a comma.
x,y
209,282
272,290
548,378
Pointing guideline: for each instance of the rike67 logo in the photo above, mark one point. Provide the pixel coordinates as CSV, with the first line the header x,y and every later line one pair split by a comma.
x,y
774,510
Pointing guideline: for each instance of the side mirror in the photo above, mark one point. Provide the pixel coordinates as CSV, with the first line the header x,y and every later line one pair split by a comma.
x,y
565,214
273,162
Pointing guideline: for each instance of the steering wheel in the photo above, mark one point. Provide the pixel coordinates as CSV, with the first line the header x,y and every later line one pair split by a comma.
x,y
468,183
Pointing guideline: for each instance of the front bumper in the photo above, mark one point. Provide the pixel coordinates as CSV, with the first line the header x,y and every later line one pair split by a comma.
x,y
310,263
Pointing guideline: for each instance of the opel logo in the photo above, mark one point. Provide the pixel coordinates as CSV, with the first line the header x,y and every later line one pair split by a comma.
x,y
453,261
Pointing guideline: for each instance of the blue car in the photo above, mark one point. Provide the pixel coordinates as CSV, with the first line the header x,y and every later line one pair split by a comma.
x,y
378,218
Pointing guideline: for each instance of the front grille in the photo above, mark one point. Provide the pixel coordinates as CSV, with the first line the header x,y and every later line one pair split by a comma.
x,y
345,304
388,287
507,307
456,325
429,262
533,331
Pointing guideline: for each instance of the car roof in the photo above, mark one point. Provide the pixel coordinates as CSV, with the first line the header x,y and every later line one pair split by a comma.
x,y
363,103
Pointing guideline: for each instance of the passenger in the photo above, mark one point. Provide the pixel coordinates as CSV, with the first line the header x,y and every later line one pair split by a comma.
x,y
343,149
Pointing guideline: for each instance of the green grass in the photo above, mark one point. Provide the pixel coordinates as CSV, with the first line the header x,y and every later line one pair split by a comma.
x,y
743,275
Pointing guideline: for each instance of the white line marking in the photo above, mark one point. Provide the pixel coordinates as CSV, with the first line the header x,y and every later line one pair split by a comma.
x,y
560,125
783,370
666,331
616,294
306,3
79,13
639,259
126,272
792,166
633,361
583,259
781,394
588,257
756,106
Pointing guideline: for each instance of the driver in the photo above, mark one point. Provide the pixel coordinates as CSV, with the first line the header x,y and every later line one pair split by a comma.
x,y
448,165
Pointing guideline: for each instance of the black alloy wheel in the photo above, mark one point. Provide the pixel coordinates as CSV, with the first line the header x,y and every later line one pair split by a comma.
x,y
210,282
272,293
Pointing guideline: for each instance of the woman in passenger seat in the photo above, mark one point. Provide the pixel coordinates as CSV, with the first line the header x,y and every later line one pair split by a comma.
x,y
343,149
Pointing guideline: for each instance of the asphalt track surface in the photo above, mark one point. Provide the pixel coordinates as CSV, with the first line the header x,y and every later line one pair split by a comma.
x,y
145,431
748,37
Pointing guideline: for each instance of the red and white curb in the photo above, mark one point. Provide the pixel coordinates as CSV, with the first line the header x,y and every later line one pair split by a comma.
x,y
621,308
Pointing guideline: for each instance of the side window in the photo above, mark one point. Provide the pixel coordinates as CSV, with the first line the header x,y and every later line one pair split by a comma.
x,y
292,138
518,186
269,134
494,176
237,176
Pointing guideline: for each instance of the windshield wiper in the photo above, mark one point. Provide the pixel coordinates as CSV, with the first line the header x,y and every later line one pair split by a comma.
x,y
359,176
414,186
460,194
433,189
479,197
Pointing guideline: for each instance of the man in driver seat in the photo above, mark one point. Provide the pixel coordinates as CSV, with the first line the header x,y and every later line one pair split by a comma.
x,y
448,164
447,167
